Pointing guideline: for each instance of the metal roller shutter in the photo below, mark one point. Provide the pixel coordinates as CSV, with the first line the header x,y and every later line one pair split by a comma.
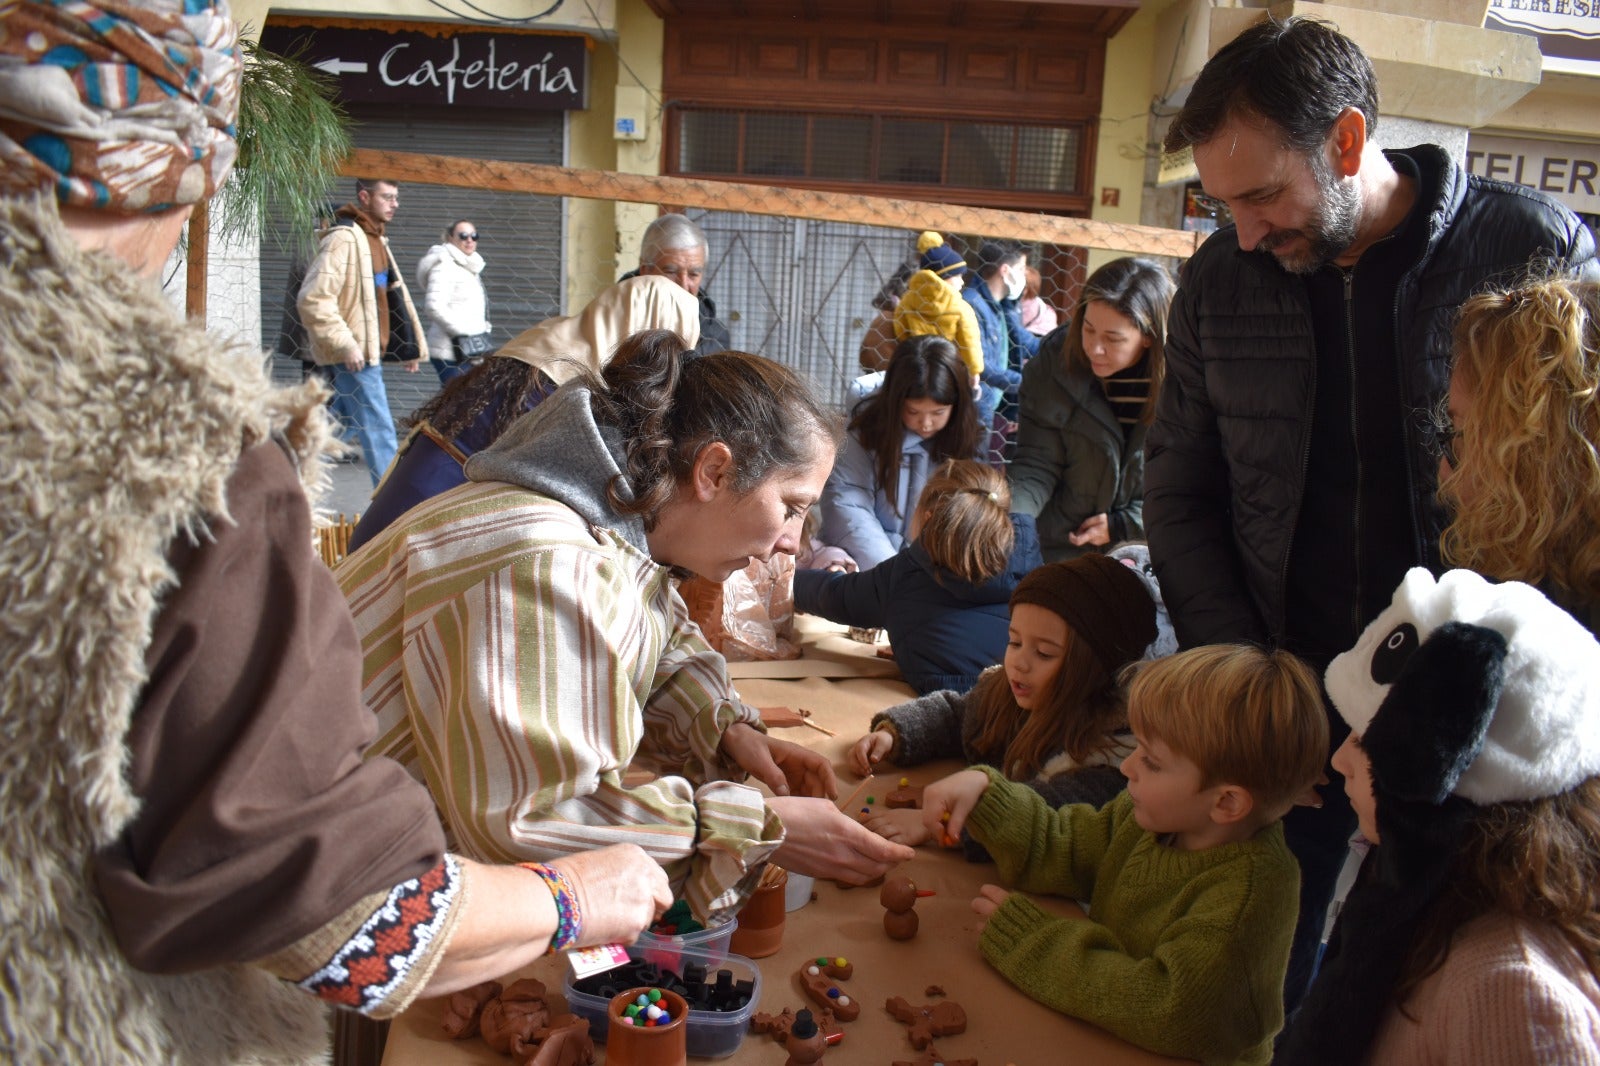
x,y
522,235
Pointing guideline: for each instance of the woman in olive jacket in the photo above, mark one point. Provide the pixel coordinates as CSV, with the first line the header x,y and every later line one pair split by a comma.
x,y
1086,401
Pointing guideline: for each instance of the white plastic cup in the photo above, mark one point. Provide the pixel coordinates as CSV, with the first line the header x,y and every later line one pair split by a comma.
x,y
797,892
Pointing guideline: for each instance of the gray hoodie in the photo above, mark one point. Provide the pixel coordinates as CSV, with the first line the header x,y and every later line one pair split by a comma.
x,y
559,450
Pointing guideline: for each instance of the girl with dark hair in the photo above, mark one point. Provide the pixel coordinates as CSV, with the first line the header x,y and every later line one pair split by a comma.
x,y
1087,400
526,644
921,415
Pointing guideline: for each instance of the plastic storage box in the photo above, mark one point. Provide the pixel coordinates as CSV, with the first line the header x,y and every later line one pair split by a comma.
x,y
668,950
711,1034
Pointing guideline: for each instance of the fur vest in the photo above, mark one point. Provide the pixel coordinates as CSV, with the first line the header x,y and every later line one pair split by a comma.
x,y
121,424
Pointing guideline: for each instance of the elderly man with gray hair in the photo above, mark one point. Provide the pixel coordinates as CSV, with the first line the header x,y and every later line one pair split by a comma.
x,y
674,247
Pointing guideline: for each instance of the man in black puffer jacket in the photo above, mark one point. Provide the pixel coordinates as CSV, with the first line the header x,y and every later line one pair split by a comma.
x,y
1290,471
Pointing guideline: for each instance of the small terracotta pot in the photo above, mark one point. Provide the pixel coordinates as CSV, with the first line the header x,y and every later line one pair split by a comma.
x,y
760,931
660,1045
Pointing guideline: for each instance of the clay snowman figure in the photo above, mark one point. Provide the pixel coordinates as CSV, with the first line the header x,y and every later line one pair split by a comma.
x,y
806,1042
899,898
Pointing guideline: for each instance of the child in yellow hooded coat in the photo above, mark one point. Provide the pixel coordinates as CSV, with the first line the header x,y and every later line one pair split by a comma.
x,y
933,305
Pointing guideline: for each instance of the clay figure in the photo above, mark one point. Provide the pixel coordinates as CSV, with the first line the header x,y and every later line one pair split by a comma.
x,y
517,1013
929,1020
820,986
931,1057
904,796
463,1009
899,898
900,925
566,1043
806,1042
778,1024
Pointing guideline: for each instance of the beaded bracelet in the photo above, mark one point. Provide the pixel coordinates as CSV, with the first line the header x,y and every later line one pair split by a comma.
x,y
569,918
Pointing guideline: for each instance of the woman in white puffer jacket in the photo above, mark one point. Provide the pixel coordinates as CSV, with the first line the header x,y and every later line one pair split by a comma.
x,y
454,302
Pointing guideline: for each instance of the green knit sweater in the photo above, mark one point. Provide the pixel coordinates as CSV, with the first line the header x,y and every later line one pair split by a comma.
x,y
1184,952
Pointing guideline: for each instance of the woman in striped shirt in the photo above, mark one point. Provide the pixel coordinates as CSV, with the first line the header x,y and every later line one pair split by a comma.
x,y
526,645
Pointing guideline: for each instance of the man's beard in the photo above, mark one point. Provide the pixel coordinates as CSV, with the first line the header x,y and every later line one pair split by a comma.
x,y
1328,233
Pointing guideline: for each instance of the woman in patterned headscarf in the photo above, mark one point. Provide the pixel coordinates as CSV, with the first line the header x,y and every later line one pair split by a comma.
x,y
188,831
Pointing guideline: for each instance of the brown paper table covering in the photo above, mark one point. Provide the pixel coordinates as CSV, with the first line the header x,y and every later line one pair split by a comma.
x,y
1004,1026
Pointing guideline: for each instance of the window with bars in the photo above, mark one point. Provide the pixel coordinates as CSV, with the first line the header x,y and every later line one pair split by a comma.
x,y
879,148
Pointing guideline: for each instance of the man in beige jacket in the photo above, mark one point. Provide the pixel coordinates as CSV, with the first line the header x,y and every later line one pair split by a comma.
x,y
348,306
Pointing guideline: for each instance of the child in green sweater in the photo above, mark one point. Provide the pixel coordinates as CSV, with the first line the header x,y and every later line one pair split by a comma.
x,y
1192,892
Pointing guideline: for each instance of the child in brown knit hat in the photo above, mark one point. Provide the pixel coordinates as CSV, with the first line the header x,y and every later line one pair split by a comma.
x,y
1051,716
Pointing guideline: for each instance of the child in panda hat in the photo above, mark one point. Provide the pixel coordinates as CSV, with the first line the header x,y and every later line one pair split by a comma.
x,y
1473,764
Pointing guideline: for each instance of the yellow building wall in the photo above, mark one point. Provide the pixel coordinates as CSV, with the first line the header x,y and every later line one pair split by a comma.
x,y
1122,152
591,225
641,41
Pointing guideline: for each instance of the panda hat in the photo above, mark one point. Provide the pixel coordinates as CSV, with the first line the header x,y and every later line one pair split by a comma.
x,y
1488,691
1464,694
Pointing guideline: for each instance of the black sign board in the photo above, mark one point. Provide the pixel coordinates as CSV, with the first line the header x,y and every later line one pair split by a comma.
x,y
523,71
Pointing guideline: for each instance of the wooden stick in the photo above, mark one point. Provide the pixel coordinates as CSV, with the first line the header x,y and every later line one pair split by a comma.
x,y
849,801
805,719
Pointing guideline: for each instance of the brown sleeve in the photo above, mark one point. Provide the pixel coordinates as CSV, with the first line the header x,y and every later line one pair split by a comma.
x,y
259,820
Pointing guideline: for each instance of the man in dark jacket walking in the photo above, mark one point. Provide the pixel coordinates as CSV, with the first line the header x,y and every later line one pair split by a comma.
x,y
1290,471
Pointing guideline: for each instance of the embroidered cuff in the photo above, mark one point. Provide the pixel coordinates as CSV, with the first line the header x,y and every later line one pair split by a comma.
x,y
376,957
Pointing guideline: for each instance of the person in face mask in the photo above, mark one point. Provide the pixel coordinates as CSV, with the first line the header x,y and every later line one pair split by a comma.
x,y
994,286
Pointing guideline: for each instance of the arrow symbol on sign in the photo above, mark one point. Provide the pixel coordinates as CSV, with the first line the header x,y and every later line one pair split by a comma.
x,y
340,66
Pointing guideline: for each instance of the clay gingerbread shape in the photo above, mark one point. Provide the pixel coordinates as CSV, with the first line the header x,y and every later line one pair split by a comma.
x,y
806,1042
817,978
929,1020
931,1057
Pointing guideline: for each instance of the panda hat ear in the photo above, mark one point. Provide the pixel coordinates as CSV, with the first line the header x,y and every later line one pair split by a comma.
x,y
1432,724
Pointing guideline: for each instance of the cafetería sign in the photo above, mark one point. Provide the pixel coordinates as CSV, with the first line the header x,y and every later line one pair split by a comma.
x,y
442,65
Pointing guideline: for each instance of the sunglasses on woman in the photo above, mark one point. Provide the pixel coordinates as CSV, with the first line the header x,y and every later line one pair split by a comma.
x,y
468,236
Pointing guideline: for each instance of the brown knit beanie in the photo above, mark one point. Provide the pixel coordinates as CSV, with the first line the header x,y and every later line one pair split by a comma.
x,y
1103,601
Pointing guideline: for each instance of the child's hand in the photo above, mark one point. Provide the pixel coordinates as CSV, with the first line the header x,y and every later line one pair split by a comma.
x,y
988,901
903,826
947,802
870,750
